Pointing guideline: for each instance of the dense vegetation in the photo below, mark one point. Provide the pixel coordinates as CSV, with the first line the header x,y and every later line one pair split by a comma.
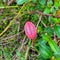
x,y
14,44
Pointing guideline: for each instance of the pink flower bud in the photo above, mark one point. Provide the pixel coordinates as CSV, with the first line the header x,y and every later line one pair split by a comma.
x,y
30,30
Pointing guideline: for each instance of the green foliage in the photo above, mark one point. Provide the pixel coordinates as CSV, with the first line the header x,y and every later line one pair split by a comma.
x,y
14,43
47,10
19,2
53,46
7,54
45,52
54,20
49,31
57,30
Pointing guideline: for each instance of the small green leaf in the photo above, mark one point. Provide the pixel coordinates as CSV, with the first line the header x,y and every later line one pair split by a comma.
x,y
45,52
49,3
46,37
57,55
49,31
47,10
33,1
57,59
41,41
18,53
53,46
42,2
19,2
53,20
57,30
34,17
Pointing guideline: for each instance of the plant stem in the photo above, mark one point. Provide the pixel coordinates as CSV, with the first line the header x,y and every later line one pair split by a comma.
x,y
2,7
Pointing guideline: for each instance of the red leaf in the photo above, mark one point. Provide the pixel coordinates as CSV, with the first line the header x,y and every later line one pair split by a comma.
x,y
30,30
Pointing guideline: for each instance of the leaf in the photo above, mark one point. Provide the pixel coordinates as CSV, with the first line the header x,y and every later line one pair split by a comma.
x,y
47,10
41,41
54,20
57,30
45,51
42,2
30,30
39,29
53,46
49,30
18,53
57,55
49,3
53,10
34,17
46,37
33,1
57,59
56,4
19,2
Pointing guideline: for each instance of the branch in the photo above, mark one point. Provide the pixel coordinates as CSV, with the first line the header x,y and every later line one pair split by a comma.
x,y
26,55
47,14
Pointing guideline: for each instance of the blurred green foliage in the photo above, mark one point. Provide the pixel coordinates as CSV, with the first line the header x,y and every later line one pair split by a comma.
x,y
46,44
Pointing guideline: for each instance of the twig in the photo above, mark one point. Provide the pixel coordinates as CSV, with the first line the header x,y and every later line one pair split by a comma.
x,y
39,21
9,2
26,55
43,24
12,36
47,14
54,37
20,48
2,7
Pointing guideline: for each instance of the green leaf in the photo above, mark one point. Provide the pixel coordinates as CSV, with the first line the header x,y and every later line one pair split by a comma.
x,y
46,37
57,59
53,46
19,2
53,10
47,10
57,30
49,31
34,17
42,2
41,41
18,53
56,4
45,51
57,55
49,3
39,29
53,20
34,1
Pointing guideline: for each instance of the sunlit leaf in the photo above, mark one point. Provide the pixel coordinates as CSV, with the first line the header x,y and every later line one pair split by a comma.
x,y
19,2
57,30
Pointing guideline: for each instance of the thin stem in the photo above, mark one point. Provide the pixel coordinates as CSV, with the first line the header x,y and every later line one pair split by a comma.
x,y
27,51
2,7
26,55
47,14
39,21
43,24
